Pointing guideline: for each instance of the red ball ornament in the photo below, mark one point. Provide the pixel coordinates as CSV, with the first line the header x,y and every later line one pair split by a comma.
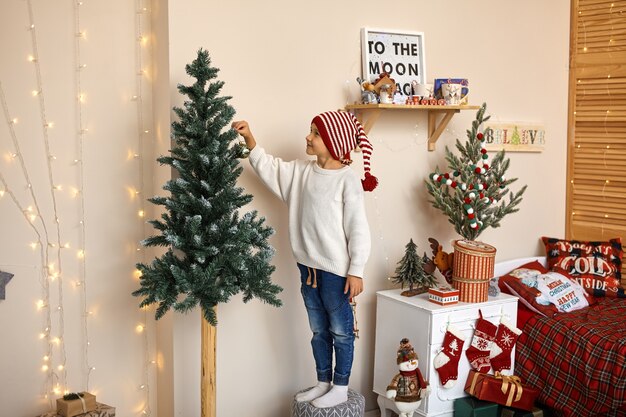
x,y
483,151
454,184
470,216
446,175
480,136
477,170
468,200
471,186
439,178
481,195
486,166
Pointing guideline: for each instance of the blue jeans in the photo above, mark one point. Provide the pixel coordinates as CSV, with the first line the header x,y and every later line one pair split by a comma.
x,y
332,324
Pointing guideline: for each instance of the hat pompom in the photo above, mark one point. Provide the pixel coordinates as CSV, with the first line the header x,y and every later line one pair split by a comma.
x,y
370,182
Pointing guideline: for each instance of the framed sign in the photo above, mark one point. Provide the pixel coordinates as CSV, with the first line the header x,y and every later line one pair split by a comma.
x,y
400,54
514,137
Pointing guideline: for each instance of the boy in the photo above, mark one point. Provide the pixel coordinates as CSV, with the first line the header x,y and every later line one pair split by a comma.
x,y
329,237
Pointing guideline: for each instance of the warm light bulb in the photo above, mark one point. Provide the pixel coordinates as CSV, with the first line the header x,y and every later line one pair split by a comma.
x,y
32,217
81,98
139,328
14,121
35,93
1,193
141,213
80,254
40,304
46,358
60,367
137,273
32,58
33,245
44,368
56,340
49,125
66,246
58,187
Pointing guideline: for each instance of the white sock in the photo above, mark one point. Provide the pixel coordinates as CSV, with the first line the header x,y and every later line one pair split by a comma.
x,y
337,395
317,391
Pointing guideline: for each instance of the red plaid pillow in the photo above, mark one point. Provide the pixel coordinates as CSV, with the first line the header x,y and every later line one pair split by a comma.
x,y
597,266
514,284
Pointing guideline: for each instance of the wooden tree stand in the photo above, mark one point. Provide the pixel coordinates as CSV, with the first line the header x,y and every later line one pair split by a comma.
x,y
354,407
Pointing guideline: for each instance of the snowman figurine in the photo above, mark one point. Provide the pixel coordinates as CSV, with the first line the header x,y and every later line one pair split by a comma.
x,y
408,387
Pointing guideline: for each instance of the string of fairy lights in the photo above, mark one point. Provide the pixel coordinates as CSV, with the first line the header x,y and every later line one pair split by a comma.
x,y
55,272
142,328
81,132
48,239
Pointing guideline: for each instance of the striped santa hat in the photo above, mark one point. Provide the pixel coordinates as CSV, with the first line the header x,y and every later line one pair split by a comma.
x,y
342,133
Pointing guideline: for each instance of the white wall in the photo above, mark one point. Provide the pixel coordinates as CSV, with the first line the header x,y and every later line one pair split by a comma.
x,y
283,62
112,227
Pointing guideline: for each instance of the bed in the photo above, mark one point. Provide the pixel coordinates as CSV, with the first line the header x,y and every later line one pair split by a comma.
x,y
577,359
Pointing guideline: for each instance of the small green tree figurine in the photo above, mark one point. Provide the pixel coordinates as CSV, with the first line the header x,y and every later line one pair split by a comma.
x,y
472,192
414,271
213,252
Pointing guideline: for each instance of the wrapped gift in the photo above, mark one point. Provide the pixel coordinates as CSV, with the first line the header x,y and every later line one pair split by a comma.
x,y
501,389
83,403
102,410
535,412
443,295
471,407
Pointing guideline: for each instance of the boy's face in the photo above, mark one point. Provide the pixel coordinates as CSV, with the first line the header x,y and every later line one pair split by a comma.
x,y
315,144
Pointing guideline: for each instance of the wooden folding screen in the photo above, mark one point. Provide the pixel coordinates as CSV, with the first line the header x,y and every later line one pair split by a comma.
x,y
596,189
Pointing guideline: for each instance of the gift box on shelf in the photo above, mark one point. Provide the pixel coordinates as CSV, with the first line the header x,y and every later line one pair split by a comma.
x,y
102,410
443,295
501,389
471,407
76,403
535,412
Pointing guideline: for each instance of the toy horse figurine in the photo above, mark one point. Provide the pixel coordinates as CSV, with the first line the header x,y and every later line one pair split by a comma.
x,y
442,260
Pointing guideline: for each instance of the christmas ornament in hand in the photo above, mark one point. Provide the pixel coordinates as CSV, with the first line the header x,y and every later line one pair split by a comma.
x,y
447,361
506,338
478,353
472,193
407,388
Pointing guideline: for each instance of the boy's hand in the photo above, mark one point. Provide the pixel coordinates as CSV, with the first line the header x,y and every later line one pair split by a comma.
x,y
243,129
354,284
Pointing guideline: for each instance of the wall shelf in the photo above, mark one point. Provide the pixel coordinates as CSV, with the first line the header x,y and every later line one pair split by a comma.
x,y
368,115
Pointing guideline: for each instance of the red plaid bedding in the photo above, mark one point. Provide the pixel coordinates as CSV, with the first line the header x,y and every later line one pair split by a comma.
x,y
577,360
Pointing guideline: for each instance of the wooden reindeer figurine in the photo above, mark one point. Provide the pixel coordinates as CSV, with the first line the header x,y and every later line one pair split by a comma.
x,y
442,260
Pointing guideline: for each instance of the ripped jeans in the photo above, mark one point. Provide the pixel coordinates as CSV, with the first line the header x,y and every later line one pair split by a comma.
x,y
331,321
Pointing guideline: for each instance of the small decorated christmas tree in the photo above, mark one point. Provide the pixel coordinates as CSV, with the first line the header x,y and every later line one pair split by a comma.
x,y
213,252
472,193
414,271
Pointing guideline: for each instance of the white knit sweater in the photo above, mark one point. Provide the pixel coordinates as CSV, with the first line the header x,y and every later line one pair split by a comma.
x,y
328,227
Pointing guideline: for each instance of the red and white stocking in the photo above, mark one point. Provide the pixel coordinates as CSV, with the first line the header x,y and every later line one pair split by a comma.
x,y
447,361
501,350
478,352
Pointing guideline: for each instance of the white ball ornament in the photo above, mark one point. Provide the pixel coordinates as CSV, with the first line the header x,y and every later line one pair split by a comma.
x,y
448,181
463,187
472,195
470,211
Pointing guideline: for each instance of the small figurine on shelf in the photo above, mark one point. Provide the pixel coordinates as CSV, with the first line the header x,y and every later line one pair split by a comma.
x,y
408,387
368,92
414,271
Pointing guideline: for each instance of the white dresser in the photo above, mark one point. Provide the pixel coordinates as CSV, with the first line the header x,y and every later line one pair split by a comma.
x,y
425,323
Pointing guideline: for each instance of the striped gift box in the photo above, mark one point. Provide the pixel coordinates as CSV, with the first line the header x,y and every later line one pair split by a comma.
x,y
472,269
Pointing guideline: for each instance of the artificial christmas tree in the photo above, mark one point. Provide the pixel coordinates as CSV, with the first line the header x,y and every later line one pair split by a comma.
x,y
213,252
414,271
472,194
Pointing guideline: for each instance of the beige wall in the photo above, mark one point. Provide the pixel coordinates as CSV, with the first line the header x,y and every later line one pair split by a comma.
x,y
283,62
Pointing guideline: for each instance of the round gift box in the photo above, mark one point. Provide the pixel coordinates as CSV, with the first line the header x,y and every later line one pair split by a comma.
x,y
472,269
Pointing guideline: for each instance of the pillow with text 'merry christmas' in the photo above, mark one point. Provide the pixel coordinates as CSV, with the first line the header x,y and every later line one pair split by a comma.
x,y
597,266
522,283
564,293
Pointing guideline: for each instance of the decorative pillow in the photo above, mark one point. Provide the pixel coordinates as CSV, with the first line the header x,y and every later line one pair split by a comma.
x,y
522,283
597,266
565,294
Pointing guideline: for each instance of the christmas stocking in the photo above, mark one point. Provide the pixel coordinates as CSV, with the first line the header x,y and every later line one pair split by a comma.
x,y
478,352
447,361
501,350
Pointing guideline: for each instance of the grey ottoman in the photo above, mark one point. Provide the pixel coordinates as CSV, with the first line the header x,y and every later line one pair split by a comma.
x,y
354,407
